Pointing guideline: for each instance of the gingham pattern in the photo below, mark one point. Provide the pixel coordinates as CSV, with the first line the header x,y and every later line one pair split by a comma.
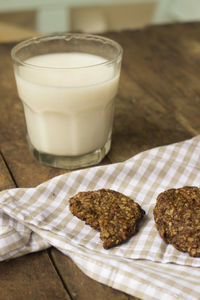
x,y
137,267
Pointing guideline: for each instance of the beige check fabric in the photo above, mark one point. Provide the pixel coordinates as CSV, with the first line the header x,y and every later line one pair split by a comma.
x,y
146,267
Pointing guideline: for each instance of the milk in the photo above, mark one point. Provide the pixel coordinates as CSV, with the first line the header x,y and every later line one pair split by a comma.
x,y
68,112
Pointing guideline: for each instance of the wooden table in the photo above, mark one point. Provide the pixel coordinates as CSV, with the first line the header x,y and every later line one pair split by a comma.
x,y
158,103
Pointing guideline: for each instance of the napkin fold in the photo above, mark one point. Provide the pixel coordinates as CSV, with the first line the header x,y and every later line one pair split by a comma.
x,y
146,267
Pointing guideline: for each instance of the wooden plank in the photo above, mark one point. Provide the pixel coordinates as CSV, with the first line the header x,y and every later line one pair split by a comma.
x,y
183,70
31,277
26,170
142,123
6,181
169,73
144,118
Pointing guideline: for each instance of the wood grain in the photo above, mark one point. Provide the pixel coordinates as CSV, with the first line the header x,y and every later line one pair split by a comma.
x,y
31,277
6,181
158,103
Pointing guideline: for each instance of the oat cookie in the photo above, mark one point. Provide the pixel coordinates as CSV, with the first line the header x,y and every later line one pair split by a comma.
x,y
115,215
177,218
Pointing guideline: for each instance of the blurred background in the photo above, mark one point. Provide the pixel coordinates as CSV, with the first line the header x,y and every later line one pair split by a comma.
x,y
21,19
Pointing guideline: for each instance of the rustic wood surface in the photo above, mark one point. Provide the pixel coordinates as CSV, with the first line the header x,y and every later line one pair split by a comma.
x,y
158,103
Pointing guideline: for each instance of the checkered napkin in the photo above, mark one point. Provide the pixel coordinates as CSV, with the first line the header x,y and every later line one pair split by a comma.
x,y
146,267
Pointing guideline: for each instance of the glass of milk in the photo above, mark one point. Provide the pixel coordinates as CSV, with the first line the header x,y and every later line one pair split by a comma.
x,y
67,84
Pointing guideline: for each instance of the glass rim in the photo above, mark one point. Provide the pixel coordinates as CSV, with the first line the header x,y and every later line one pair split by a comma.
x,y
67,37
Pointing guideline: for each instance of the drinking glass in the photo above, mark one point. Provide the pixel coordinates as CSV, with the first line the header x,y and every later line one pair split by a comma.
x,y
67,84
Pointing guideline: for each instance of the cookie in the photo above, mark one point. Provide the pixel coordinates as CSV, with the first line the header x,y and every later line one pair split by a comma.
x,y
115,215
177,218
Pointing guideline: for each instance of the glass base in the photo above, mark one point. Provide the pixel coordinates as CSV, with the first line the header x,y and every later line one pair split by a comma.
x,y
70,162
